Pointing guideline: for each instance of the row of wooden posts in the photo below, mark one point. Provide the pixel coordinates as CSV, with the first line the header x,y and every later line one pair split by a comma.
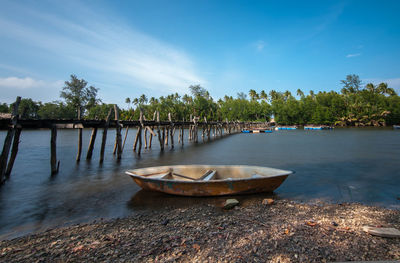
x,y
165,131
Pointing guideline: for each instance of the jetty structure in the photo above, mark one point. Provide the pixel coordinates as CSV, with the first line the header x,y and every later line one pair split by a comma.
x,y
164,130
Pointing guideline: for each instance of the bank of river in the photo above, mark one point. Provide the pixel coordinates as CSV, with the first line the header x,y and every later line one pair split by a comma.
x,y
343,165
252,232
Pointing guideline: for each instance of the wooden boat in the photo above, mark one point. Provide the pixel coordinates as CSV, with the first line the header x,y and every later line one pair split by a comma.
x,y
209,180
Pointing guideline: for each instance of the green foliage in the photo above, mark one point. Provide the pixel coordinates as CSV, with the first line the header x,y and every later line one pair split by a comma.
x,y
99,111
56,110
77,94
356,105
4,108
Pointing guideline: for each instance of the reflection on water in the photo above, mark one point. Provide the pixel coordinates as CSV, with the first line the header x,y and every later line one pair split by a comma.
x,y
349,164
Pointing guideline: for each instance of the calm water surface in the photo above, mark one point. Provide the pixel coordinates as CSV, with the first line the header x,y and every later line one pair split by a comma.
x,y
343,165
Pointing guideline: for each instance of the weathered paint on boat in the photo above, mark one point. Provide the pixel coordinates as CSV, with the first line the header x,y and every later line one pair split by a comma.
x,y
267,180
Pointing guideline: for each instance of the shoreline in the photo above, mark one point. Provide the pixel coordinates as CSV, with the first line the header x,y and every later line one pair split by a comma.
x,y
286,231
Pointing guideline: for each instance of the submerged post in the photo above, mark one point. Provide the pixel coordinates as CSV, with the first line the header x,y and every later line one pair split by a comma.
x,y
14,152
53,155
172,130
7,141
104,139
159,133
78,156
140,132
118,132
91,144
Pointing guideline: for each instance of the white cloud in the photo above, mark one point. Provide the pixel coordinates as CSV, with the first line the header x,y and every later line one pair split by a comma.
x,y
259,45
103,46
26,83
353,55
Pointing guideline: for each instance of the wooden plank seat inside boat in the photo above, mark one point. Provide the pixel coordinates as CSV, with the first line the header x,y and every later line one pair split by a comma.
x,y
207,176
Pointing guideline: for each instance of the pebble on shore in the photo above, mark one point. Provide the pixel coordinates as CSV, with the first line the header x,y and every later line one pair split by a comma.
x,y
284,232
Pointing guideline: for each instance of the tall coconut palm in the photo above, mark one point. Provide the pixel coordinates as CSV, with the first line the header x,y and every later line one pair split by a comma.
x,y
263,95
370,87
253,94
128,101
300,93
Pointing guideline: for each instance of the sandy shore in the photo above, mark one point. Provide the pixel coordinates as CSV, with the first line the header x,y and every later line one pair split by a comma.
x,y
282,232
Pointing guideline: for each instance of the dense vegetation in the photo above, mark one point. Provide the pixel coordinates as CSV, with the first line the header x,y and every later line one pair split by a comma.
x,y
355,105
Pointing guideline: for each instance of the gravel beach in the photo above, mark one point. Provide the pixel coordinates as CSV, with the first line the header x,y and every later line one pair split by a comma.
x,y
284,231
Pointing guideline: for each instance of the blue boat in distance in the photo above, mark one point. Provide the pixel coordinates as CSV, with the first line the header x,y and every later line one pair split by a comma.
x,y
396,127
286,128
318,128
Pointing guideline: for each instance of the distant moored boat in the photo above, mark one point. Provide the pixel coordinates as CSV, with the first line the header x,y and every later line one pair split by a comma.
x,y
396,127
318,128
285,128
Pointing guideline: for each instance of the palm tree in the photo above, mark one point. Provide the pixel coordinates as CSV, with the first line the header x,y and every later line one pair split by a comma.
x,y
273,95
370,87
142,99
383,88
253,94
300,93
128,101
135,101
263,95
287,94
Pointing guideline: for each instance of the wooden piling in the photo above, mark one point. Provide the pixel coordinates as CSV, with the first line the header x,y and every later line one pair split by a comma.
x,y
126,135
104,139
166,138
182,135
160,139
118,132
140,132
151,130
136,138
53,151
172,130
78,155
7,141
14,151
91,144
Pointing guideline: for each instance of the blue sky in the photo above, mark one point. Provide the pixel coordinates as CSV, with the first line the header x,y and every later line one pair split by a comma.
x,y
127,48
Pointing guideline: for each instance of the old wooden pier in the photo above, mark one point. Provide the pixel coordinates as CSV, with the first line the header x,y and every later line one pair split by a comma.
x,y
164,130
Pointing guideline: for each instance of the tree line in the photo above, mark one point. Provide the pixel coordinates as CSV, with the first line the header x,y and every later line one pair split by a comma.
x,y
355,105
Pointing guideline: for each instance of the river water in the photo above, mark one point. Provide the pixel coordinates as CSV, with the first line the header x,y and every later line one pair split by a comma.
x,y
341,165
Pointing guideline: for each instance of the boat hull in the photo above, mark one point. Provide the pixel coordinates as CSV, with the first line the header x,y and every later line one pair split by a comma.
x,y
211,188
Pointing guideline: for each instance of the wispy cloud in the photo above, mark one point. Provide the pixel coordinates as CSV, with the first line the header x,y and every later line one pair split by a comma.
x,y
92,43
26,83
259,45
353,55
